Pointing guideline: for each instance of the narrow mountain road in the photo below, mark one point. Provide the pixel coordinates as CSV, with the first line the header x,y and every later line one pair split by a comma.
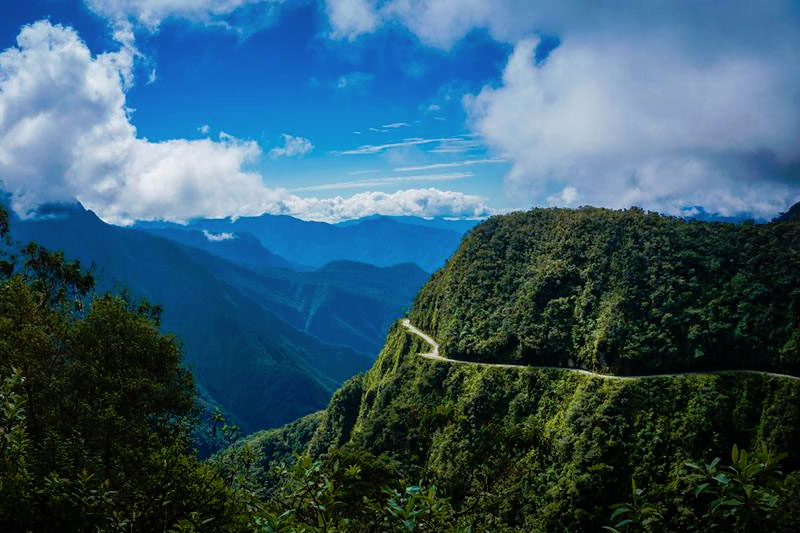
x,y
433,355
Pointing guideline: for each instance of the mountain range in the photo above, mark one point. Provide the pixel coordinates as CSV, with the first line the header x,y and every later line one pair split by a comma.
x,y
379,241
267,344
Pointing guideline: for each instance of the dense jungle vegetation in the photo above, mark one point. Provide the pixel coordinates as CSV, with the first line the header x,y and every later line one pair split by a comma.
x,y
544,450
619,291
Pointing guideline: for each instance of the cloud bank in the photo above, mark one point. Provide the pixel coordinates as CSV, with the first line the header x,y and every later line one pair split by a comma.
x,y
65,134
663,104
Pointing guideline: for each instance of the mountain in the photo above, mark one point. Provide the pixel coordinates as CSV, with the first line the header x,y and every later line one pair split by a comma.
x,y
527,448
241,248
381,241
346,303
792,214
250,361
619,291
457,225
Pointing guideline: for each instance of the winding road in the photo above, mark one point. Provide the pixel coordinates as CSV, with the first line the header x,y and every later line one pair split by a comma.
x,y
433,355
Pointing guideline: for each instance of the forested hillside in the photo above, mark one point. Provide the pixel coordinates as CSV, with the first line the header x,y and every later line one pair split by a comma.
x,y
619,291
525,449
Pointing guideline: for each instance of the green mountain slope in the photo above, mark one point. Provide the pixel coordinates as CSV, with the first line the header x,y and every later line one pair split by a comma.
x,y
620,291
256,366
525,449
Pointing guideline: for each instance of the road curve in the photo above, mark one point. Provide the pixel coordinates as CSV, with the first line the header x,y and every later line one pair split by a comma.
x,y
433,355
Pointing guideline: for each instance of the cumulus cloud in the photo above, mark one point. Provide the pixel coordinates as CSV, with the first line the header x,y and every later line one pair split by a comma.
x,y
65,134
351,18
426,203
612,126
667,105
292,147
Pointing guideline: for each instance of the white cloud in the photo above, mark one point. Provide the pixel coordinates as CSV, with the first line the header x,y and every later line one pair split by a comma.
x,y
359,172
458,145
568,197
465,163
292,146
375,149
666,105
351,18
65,134
395,125
439,23
414,202
218,237
382,182
617,128
204,129
151,13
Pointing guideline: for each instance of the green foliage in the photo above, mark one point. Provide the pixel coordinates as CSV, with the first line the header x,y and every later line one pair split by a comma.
x,y
15,476
620,291
515,449
749,495
744,495
346,493
418,508
95,412
541,450
636,515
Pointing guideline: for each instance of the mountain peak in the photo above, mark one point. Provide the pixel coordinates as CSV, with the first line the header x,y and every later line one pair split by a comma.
x,y
793,213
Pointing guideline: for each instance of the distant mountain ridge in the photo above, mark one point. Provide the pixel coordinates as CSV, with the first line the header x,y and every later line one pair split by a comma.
x,y
458,225
241,248
380,241
254,364
793,213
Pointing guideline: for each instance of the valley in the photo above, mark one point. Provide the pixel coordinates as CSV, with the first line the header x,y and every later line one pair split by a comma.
x,y
399,266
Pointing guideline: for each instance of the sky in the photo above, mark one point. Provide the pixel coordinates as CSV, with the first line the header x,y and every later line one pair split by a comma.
x,y
337,109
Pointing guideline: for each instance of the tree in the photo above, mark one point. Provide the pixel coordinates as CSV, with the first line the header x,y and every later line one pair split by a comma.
x,y
96,410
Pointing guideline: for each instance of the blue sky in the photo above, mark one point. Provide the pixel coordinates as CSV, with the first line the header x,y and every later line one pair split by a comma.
x,y
344,108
